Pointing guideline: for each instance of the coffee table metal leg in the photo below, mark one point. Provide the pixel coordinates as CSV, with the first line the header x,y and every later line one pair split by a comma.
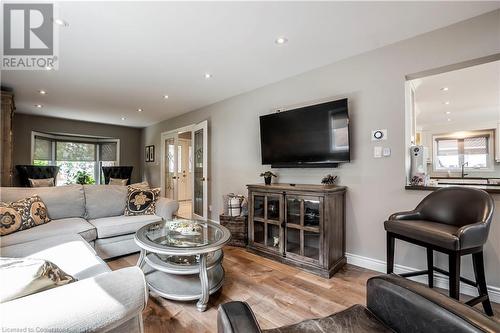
x,y
142,255
202,303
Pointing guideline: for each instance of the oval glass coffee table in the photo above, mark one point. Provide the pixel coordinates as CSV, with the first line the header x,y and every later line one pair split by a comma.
x,y
182,259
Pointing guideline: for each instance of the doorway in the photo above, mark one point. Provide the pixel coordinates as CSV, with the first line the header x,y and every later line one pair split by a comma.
x,y
184,163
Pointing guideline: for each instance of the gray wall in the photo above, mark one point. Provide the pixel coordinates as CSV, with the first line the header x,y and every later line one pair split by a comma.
x,y
130,137
375,84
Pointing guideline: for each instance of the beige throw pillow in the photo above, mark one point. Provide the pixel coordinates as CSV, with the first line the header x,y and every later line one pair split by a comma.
x,y
22,214
117,181
45,182
26,276
143,185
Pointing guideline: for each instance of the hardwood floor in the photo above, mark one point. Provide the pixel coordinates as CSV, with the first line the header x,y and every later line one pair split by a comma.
x,y
278,294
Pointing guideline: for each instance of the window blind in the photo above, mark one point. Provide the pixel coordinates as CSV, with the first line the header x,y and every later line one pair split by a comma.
x,y
476,146
43,149
447,147
75,151
108,151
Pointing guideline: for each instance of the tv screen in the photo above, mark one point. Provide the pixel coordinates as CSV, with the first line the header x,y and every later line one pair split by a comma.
x,y
311,136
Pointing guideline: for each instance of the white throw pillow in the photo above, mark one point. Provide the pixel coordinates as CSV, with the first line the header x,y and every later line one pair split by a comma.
x,y
25,276
45,182
118,181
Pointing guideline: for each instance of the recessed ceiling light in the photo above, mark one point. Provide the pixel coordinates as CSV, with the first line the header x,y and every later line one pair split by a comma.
x,y
447,103
281,40
123,118
444,89
42,92
449,119
448,112
208,75
39,106
165,96
61,22
138,110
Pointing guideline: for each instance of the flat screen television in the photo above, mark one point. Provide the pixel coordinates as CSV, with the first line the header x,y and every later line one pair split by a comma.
x,y
311,136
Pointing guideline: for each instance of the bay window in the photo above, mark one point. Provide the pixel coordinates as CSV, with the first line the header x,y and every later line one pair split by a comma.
x,y
74,154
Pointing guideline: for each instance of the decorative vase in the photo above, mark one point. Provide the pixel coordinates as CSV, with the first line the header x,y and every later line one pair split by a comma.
x,y
267,180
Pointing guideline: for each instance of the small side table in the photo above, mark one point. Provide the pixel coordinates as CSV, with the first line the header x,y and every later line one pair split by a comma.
x,y
238,226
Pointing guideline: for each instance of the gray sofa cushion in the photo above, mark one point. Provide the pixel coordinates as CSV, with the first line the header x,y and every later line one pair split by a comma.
x,y
70,252
61,201
105,200
121,225
53,228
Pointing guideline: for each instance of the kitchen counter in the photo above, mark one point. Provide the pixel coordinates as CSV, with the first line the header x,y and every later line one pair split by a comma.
x,y
487,188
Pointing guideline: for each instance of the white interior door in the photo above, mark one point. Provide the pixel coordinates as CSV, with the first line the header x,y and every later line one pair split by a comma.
x,y
199,142
169,167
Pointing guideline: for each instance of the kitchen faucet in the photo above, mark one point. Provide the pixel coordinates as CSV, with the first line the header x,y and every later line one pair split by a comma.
x,y
463,168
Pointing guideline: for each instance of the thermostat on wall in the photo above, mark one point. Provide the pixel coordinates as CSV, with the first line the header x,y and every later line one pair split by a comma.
x,y
378,135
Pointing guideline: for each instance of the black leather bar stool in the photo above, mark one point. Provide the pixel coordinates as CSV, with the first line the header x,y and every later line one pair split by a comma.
x,y
452,220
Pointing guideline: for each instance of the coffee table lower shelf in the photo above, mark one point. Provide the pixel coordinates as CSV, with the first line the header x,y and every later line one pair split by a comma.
x,y
183,287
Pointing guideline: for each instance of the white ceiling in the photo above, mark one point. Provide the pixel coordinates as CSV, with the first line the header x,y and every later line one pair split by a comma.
x,y
473,95
118,56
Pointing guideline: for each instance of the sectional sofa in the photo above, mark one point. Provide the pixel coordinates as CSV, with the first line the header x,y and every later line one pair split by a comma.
x,y
87,226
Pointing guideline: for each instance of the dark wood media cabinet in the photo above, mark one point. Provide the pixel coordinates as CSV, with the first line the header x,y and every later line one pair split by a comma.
x,y
301,225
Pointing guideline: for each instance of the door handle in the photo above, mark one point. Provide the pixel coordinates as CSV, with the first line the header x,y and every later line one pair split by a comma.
x,y
174,177
202,179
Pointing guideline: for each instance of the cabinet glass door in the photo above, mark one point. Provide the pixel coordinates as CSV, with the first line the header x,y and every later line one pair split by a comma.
x,y
293,210
258,206
311,212
258,232
311,245
273,208
293,240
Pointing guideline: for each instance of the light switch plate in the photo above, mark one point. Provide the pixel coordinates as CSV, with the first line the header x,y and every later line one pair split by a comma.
x,y
386,152
377,152
379,134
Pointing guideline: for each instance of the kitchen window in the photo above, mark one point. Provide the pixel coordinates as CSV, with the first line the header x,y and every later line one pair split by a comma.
x,y
73,154
473,150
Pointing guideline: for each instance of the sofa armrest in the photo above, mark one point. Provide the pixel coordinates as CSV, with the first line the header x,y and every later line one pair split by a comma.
x,y
236,317
409,215
96,304
408,306
166,208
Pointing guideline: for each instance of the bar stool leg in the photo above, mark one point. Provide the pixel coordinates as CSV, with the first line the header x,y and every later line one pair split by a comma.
x,y
454,268
478,263
430,267
390,253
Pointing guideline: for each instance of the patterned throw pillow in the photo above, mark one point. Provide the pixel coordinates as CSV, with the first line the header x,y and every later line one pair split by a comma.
x,y
22,214
141,201
26,276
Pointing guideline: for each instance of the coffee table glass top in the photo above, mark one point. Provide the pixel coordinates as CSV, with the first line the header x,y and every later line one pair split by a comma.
x,y
180,234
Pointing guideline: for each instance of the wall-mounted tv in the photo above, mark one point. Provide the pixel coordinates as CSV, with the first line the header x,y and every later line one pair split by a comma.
x,y
311,136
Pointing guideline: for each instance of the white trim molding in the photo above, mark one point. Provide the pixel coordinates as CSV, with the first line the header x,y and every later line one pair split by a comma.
x,y
440,280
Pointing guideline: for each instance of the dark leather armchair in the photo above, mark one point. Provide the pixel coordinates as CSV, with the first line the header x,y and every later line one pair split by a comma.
x,y
25,172
119,172
455,221
394,304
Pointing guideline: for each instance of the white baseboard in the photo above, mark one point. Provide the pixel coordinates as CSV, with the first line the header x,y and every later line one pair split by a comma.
x,y
440,280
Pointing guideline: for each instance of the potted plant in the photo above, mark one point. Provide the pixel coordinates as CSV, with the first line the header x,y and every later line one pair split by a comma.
x,y
82,177
267,177
329,180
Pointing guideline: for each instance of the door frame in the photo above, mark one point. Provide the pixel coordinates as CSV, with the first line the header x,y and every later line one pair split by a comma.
x,y
189,128
163,137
